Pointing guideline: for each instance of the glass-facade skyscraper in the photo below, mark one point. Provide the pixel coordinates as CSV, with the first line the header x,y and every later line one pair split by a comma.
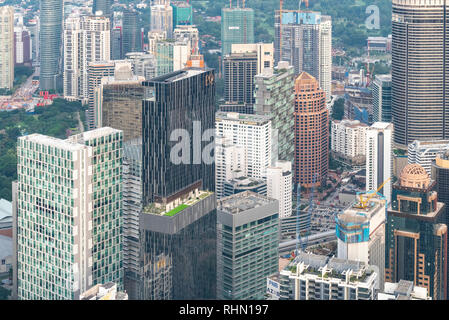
x,y
131,36
178,222
237,26
50,40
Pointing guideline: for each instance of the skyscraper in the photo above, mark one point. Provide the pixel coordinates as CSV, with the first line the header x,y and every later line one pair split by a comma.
x,y
424,153
279,186
162,18
182,13
86,39
131,35
419,75
237,26
239,72
120,104
304,39
69,217
6,47
104,6
178,224
416,233
246,259
50,41
361,233
382,98
275,96
311,132
379,161
116,43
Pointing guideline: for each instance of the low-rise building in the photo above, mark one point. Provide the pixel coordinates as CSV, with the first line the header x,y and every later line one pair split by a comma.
x,y
403,290
107,291
317,277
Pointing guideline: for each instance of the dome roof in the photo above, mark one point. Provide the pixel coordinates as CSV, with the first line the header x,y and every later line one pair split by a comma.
x,y
415,176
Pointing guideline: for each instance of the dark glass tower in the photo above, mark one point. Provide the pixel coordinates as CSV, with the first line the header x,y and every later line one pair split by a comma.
x,y
131,39
103,6
416,234
50,40
178,224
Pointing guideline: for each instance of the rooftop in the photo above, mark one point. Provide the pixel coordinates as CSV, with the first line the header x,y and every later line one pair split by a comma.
x,y
5,209
177,75
54,142
242,202
241,117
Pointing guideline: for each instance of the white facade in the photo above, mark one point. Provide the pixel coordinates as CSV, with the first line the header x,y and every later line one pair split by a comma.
x,y
181,53
253,132
230,162
403,290
348,138
190,33
86,39
424,152
315,277
370,250
379,160
326,57
162,19
279,186
265,53
153,38
6,47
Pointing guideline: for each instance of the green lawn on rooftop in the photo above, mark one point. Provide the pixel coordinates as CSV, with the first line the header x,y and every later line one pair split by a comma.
x,y
176,210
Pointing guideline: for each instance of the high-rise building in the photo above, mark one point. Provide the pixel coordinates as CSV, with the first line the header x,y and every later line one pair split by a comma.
x,y
230,162
95,72
116,43
237,26
86,39
107,203
361,233
425,152
382,98
238,107
6,47
245,259
119,102
239,72
178,224
416,233
253,132
68,214
182,13
348,142
275,96
403,290
50,44
279,186
22,46
419,78
316,277
34,26
264,51
304,39
189,33
311,133
162,19
379,160
131,34
104,6
440,174
153,38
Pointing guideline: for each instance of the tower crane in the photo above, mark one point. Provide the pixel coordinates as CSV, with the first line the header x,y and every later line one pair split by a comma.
x,y
363,203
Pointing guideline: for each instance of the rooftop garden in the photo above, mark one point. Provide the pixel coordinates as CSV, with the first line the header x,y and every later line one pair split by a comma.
x,y
176,210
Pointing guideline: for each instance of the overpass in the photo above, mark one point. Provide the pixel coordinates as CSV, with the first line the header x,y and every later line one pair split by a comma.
x,y
312,239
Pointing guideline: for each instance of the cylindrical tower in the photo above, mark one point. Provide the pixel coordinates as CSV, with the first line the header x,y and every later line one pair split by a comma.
x,y
311,132
419,70
50,40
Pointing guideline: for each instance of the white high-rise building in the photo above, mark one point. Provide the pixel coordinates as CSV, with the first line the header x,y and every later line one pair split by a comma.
x,y
6,47
264,51
425,152
181,53
279,186
162,18
253,132
348,140
153,38
188,32
86,39
230,162
379,160
361,233
326,56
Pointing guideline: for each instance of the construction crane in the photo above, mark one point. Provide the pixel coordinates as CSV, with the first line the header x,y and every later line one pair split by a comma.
x,y
363,203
